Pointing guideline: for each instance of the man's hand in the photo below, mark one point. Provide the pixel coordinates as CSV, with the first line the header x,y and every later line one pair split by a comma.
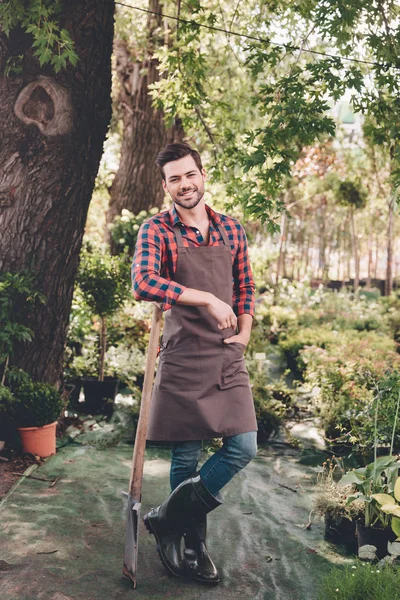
x,y
222,312
241,338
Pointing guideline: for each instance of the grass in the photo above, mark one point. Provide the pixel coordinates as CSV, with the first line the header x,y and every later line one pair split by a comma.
x,y
361,581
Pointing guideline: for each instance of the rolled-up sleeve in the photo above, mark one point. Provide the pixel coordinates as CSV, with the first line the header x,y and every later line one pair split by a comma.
x,y
243,282
147,282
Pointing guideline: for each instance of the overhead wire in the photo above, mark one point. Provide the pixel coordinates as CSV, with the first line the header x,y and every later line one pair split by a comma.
x,y
290,47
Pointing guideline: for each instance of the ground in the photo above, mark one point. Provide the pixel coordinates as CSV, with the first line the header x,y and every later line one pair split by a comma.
x,y
65,541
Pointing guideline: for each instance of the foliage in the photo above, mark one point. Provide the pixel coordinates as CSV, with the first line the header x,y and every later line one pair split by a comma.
x,y
388,505
318,337
351,195
17,295
344,377
269,411
360,581
103,280
34,404
125,228
330,498
41,19
379,477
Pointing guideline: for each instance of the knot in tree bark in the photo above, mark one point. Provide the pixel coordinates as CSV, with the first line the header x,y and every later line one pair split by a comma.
x,y
46,104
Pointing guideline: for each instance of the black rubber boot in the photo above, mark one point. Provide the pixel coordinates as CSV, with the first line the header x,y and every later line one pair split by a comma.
x,y
198,562
187,505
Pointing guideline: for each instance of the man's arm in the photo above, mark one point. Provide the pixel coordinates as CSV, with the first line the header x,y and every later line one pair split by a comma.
x,y
243,292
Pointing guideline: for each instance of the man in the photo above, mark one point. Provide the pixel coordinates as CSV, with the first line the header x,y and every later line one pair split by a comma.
x,y
194,262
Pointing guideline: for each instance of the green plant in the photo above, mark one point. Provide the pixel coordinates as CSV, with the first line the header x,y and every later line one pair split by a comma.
x,y
103,280
360,581
379,477
17,294
125,228
292,343
388,505
269,411
34,404
330,498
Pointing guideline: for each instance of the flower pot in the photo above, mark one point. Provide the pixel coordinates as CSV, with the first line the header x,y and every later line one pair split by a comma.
x,y
99,395
340,530
375,536
39,440
73,388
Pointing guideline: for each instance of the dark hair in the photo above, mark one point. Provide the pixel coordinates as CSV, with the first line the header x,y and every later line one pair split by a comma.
x,y
175,152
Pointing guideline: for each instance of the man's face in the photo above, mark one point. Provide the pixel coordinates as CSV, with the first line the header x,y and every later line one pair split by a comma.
x,y
184,182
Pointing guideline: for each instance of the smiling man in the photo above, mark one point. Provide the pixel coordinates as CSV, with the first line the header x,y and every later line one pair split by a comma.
x,y
194,262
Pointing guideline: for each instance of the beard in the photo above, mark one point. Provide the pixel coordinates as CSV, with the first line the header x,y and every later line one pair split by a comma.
x,y
190,200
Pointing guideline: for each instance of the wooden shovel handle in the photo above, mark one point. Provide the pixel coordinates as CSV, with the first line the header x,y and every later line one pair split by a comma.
x,y
135,485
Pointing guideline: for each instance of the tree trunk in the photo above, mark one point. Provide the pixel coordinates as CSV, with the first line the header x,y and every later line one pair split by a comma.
x,y
281,257
52,129
103,343
389,261
355,251
137,184
370,244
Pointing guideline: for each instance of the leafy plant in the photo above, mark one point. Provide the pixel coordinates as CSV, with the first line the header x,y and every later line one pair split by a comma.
x,y
379,477
33,404
52,43
17,294
104,281
124,229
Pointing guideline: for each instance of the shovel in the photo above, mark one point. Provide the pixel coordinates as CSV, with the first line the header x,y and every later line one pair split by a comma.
x,y
135,486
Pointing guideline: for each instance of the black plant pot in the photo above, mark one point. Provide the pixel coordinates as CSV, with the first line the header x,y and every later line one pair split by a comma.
x,y
73,389
374,536
100,395
340,530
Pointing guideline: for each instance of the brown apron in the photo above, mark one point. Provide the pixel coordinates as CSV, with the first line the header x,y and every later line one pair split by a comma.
x,y
202,387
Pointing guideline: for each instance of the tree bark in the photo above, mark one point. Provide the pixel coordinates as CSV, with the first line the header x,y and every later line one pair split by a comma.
x,y
137,184
389,251
52,129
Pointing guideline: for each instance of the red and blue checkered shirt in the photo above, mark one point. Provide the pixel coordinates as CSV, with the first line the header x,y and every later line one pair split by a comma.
x,y
154,263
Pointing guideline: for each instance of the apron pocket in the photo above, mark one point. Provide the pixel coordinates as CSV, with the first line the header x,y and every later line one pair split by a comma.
x,y
180,366
233,366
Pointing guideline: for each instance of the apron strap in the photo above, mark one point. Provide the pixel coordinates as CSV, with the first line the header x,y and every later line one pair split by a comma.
x,y
179,239
223,235
178,235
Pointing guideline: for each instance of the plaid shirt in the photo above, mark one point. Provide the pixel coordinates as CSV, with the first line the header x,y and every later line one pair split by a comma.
x,y
154,263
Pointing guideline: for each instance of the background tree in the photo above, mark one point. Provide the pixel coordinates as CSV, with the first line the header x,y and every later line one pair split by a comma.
x,y
56,107
136,185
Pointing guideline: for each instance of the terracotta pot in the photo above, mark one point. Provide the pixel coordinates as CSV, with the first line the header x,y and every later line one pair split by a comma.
x,y
374,536
39,440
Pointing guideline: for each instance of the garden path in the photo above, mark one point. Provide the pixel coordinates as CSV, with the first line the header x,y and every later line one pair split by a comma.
x,y
66,542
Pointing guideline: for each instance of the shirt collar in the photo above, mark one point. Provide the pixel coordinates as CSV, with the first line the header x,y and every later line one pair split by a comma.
x,y
175,218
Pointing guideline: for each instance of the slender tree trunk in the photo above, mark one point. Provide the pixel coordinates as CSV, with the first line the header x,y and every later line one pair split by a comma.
x,y
52,129
281,256
389,252
137,184
103,343
355,251
370,244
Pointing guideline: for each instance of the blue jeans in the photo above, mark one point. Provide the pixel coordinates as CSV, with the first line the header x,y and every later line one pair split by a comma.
x,y
237,451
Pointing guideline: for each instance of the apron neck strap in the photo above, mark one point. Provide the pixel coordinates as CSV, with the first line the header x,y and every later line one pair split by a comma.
x,y
179,239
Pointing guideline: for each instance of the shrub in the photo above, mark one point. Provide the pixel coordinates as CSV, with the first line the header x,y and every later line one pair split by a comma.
x,y
125,228
292,343
36,404
269,412
344,376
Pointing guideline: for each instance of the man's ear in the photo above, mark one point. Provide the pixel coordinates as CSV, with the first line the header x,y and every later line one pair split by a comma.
x,y
164,185
203,172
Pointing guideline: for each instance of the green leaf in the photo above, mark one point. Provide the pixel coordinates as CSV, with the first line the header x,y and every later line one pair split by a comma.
x,y
396,526
383,499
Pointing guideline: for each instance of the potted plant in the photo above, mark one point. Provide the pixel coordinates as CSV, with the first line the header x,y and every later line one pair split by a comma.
x,y
370,485
331,502
103,280
34,408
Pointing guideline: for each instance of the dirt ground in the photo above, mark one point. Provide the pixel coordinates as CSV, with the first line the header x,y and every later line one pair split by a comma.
x,y
11,467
